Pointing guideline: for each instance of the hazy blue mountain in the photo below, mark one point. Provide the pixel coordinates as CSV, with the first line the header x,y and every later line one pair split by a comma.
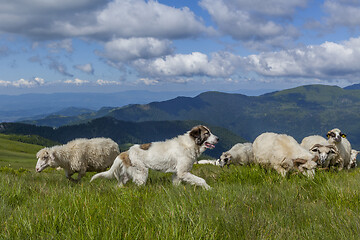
x,y
352,87
15,107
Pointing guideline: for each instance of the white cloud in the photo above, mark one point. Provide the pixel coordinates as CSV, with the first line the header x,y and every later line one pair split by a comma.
x,y
135,48
221,64
329,61
65,44
76,81
254,21
99,19
87,68
23,83
102,82
148,81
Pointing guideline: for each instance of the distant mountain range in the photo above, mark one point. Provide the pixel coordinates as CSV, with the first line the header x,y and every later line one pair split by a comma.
x,y
122,132
15,107
299,112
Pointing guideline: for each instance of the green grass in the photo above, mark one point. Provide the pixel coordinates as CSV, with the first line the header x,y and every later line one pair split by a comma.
x,y
17,154
244,203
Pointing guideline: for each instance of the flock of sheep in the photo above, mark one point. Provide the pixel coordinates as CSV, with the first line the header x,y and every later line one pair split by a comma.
x,y
278,151
283,153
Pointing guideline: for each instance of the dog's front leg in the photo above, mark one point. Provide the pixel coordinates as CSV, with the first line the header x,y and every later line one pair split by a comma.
x,y
192,179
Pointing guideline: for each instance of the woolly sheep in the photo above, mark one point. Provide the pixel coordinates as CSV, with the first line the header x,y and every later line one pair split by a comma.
x,y
319,146
338,138
240,153
283,153
353,156
79,156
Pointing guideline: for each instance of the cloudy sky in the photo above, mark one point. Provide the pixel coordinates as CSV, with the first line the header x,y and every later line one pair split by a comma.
x,y
226,45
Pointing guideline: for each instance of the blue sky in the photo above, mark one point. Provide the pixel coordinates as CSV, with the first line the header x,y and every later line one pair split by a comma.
x,y
225,45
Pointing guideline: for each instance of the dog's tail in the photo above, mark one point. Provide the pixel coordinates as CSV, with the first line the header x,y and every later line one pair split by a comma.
x,y
116,169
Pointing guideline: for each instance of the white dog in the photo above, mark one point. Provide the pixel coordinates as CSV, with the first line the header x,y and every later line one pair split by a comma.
x,y
176,155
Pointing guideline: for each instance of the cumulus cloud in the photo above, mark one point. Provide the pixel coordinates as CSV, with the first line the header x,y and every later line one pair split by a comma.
x,y
58,67
23,83
342,13
98,19
65,44
76,81
221,64
254,21
102,82
120,50
87,68
329,61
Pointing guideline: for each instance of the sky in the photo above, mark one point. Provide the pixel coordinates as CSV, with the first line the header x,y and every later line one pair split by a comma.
x,y
179,45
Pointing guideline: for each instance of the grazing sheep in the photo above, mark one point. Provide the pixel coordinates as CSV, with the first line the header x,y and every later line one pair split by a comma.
x,y
212,162
327,153
353,156
79,156
240,153
337,138
283,153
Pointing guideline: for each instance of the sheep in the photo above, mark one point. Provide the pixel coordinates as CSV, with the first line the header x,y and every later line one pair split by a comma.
x,y
283,153
353,163
212,162
79,156
240,153
327,153
336,137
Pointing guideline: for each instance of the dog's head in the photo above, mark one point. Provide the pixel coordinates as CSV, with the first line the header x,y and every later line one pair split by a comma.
x,y
203,137
335,135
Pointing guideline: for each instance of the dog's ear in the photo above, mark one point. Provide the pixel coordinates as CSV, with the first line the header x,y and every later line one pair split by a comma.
x,y
195,132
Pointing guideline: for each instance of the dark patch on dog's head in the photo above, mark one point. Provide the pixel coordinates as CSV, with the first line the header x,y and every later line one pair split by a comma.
x,y
145,146
124,156
200,134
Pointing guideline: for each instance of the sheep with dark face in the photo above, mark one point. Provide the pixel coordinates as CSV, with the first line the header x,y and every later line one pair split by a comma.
x,y
239,154
283,153
338,138
79,156
327,153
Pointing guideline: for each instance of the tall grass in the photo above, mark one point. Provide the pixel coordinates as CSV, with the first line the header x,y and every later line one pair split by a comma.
x,y
244,203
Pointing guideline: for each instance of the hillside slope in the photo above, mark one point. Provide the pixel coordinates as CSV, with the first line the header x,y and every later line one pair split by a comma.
x,y
123,132
17,154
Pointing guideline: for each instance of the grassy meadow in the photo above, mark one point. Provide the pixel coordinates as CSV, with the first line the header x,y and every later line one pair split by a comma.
x,y
244,203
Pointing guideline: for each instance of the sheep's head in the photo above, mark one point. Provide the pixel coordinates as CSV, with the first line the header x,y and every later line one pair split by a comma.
x,y
335,135
225,159
325,153
45,159
306,167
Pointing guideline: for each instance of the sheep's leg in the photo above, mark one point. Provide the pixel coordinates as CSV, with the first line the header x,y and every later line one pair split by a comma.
x,y
280,170
68,175
80,175
175,179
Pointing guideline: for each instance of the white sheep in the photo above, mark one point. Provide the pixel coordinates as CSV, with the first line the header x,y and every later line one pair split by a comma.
x,y
239,154
336,137
319,146
209,161
353,156
283,153
79,156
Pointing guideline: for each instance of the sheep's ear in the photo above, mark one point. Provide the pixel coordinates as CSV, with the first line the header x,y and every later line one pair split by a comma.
x,y
343,135
328,135
335,150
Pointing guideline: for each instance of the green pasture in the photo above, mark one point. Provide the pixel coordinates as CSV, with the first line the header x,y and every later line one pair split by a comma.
x,y
244,203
